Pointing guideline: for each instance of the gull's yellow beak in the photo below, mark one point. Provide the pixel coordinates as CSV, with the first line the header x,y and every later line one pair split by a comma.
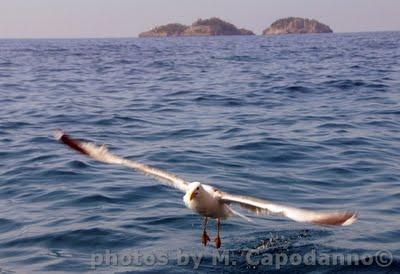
x,y
192,195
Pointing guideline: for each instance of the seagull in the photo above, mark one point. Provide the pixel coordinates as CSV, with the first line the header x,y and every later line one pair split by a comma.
x,y
208,201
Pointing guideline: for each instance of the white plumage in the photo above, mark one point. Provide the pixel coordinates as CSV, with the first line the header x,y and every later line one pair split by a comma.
x,y
206,200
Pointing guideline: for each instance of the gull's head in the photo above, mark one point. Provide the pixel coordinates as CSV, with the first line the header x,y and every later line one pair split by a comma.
x,y
195,190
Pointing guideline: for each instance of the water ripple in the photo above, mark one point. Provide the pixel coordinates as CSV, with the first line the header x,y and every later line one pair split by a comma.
x,y
307,120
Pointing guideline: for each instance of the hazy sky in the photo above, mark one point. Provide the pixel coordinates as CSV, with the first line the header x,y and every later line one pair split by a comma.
x,y
126,18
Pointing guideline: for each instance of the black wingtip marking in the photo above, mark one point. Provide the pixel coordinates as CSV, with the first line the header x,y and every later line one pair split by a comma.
x,y
72,143
337,220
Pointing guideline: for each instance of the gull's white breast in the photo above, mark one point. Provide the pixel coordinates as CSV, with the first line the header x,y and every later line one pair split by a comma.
x,y
208,204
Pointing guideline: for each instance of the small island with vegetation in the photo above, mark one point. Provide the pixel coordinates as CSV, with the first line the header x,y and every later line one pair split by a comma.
x,y
296,25
207,27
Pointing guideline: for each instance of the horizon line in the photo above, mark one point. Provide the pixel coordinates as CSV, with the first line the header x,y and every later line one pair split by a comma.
x,y
136,37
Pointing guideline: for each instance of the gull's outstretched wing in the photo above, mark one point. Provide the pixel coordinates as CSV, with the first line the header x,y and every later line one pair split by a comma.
x,y
299,215
103,155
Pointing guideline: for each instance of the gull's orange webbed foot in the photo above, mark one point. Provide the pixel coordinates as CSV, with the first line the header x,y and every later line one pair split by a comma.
x,y
205,239
217,241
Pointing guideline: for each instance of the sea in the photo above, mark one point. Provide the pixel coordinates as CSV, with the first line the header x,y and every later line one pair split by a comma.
x,y
311,121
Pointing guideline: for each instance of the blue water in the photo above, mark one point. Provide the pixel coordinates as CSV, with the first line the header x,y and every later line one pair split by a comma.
x,y
307,120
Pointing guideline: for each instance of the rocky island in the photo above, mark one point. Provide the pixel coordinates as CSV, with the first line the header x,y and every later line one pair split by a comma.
x,y
206,27
292,25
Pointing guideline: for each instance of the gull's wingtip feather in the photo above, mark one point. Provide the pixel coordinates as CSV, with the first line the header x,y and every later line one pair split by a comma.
x,y
351,220
58,134
336,219
70,142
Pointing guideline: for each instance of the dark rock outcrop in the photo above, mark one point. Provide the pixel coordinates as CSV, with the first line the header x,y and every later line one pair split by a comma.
x,y
206,27
292,25
165,30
